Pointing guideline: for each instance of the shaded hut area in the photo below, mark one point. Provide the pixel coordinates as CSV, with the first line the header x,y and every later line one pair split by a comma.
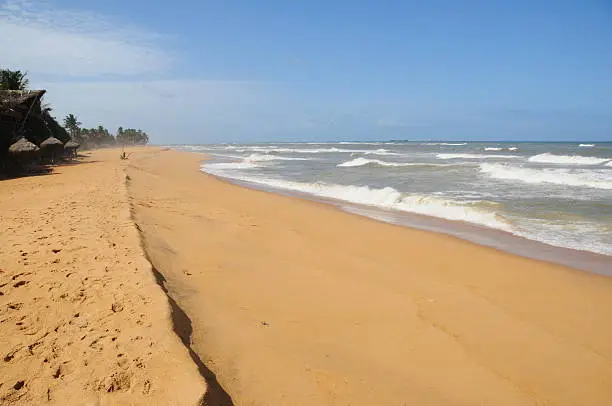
x,y
31,140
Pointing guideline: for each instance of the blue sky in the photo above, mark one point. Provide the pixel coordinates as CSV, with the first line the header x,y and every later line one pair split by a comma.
x,y
240,71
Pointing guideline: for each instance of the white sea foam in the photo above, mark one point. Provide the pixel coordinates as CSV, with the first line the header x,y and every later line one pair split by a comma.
x,y
226,155
599,179
377,162
381,151
567,159
500,149
475,156
568,235
265,158
586,145
314,150
220,167
388,198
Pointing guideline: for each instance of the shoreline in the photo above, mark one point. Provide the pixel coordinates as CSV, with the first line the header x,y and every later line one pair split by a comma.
x,y
274,287
504,241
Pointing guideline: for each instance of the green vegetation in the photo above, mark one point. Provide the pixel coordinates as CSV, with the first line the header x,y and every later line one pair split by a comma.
x,y
101,137
13,80
27,124
72,125
131,136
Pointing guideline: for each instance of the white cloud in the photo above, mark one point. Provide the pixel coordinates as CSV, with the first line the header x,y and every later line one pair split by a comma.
x,y
43,40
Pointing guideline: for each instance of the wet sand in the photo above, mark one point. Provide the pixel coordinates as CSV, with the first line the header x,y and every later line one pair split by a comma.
x,y
296,302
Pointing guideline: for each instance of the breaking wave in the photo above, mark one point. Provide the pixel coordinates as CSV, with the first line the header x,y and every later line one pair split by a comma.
x,y
267,150
500,149
377,162
586,145
547,158
477,212
224,166
475,156
265,157
599,179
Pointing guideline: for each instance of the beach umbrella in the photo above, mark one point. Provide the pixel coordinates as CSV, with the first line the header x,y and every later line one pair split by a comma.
x,y
51,148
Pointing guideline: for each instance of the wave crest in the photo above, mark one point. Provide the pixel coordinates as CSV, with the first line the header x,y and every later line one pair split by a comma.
x,y
377,162
548,158
601,179
266,157
500,148
475,156
477,212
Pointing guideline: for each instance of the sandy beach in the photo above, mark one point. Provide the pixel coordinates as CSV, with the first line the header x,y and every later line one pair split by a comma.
x,y
249,298
82,319
294,302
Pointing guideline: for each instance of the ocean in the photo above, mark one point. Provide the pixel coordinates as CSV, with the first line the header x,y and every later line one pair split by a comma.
x,y
521,197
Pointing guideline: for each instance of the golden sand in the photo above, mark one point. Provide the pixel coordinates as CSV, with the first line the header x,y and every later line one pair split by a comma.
x,y
82,319
286,301
297,303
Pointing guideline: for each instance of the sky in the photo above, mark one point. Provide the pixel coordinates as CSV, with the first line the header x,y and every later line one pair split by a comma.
x,y
191,71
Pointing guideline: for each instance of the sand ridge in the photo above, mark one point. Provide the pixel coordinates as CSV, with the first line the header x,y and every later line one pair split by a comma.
x,y
294,302
82,319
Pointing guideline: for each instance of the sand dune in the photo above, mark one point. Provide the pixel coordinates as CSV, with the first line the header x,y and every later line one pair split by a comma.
x,y
294,302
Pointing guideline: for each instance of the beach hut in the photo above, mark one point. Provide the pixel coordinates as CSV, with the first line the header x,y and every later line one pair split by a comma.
x,y
16,107
70,149
24,152
51,149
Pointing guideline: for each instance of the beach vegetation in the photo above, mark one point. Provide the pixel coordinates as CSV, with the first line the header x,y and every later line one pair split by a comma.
x,y
73,125
131,136
29,134
13,80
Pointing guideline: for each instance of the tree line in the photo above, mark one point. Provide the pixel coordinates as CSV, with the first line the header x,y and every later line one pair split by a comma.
x,y
85,137
101,136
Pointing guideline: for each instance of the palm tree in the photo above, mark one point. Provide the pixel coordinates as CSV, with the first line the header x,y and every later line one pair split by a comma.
x,y
71,122
13,80
73,125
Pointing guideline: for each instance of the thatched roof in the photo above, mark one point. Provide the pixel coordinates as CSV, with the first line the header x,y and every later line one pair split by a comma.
x,y
10,99
23,146
72,144
51,141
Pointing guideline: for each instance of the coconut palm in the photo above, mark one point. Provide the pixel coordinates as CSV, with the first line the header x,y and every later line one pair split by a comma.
x,y
74,126
71,122
13,80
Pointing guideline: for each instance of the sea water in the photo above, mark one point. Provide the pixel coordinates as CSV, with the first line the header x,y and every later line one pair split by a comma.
x,y
558,194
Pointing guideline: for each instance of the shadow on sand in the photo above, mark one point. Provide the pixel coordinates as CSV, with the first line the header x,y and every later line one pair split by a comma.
x,y
42,169
215,395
